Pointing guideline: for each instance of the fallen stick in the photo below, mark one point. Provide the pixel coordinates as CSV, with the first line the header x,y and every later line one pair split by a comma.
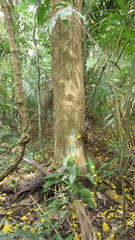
x,y
36,165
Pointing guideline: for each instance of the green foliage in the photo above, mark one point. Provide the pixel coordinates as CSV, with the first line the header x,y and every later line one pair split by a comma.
x,y
115,27
70,190
5,133
63,14
20,233
108,61
70,177
6,89
87,197
26,167
27,234
67,181
2,149
4,237
70,237
44,13
96,176
23,25
108,163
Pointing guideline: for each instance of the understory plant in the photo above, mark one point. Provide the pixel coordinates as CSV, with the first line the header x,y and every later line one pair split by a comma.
x,y
61,191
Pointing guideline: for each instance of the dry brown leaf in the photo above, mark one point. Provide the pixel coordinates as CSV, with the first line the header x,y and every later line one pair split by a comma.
x,y
111,195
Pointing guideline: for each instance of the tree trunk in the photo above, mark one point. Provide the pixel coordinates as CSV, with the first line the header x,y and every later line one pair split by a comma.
x,y
19,96
69,94
38,82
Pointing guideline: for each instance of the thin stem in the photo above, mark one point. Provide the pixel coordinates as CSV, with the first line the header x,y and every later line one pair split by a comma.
x,y
127,133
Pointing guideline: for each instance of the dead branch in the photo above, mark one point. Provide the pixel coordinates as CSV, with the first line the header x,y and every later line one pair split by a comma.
x,y
36,165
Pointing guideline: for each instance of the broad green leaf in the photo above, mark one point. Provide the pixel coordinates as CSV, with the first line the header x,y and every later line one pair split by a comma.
x,y
58,237
50,182
72,177
68,162
108,173
90,203
122,5
73,173
6,236
65,162
51,238
76,189
87,197
63,14
66,176
108,163
70,237
3,149
42,14
90,177
54,175
26,234
86,192
90,164
103,187
55,203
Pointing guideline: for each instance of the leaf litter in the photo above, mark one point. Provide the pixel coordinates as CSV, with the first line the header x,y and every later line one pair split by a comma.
x,y
29,212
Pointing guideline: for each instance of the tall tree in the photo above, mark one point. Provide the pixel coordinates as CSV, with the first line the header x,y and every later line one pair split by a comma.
x,y
19,96
68,86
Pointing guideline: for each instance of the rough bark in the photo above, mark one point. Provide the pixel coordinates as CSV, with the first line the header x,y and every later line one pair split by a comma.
x,y
69,94
19,96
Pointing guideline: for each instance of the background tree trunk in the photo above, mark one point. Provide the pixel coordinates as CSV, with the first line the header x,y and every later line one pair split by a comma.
x,y
38,82
19,96
69,94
